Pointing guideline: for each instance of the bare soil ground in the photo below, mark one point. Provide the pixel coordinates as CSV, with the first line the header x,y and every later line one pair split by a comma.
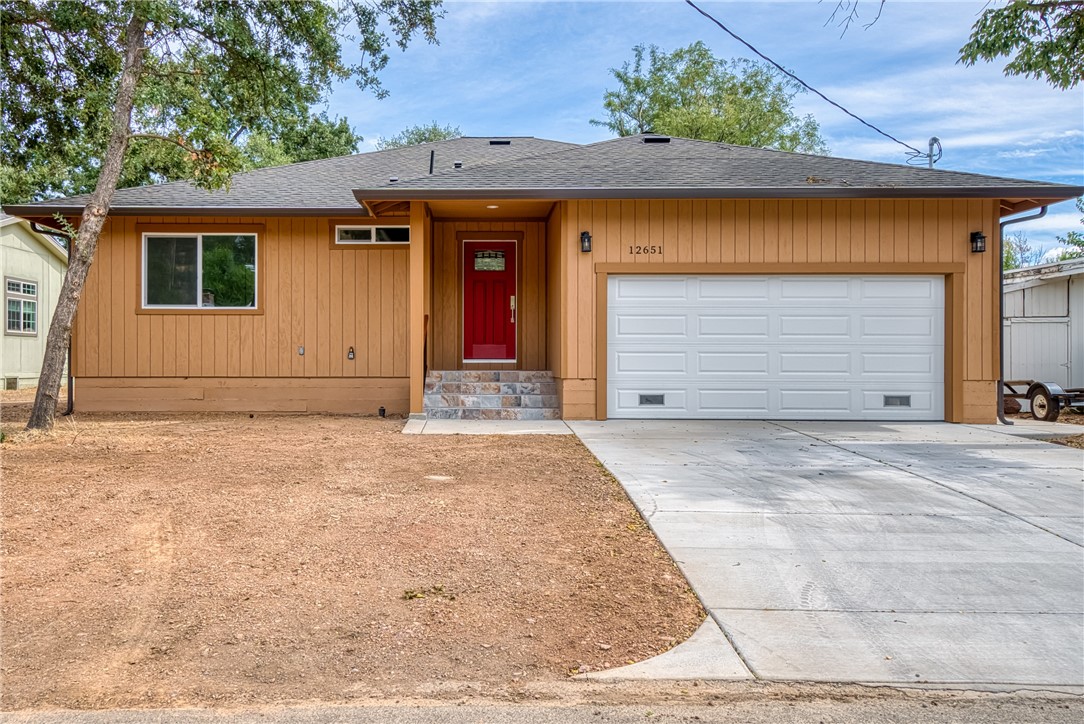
x,y
1069,417
225,560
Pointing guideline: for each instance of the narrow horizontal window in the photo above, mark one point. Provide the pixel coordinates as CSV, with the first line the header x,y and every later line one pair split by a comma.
x,y
200,271
372,234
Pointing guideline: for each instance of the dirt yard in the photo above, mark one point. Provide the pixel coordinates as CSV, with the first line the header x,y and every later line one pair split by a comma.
x,y
1069,417
226,560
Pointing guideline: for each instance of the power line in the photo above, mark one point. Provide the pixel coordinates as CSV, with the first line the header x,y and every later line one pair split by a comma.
x,y
914,152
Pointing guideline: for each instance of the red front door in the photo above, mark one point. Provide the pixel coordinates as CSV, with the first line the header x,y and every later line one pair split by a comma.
x,y
489,300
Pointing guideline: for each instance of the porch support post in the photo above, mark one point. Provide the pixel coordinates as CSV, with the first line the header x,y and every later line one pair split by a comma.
x,y
419,233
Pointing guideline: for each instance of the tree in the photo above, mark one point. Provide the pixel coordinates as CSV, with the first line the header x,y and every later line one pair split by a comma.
x,y
1043,38
1018,252
59,172
1072,242
421,133
102,76
691,93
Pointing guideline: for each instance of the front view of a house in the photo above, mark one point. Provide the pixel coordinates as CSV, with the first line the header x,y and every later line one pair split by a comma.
x,y
643,277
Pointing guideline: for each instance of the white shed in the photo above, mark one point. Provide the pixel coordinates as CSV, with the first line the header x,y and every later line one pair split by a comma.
x,y
33,269
1044,323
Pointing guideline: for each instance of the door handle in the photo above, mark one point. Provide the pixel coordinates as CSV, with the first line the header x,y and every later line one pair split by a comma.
x,y
512,307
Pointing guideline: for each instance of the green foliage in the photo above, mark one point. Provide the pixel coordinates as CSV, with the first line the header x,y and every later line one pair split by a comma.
x,y
691,93
1018,252
421,133
226,86
1073,241
1043,39
229,270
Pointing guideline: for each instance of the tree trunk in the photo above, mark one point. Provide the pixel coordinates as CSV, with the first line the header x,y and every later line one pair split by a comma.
x,y
82,247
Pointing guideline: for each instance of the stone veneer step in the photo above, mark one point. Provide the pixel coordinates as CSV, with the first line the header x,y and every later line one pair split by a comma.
x,y
491,395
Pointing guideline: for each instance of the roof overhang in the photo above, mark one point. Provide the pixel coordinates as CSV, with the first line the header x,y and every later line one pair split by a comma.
x,y
50,245
1020,198
44,209
1037,275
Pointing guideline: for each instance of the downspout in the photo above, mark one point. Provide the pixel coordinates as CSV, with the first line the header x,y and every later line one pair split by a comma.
x,y
1001,309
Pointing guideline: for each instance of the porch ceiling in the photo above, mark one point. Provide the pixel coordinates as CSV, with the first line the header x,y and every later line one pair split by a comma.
x,y
478,209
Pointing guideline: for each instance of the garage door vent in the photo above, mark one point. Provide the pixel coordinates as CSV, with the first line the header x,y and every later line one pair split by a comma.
x,y
897,400
652,399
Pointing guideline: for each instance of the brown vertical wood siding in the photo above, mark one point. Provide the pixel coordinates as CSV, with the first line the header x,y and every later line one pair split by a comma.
x,y
311,295
787,235
446,320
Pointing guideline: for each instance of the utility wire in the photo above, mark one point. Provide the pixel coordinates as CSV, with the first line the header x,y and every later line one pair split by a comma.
x,y
913,152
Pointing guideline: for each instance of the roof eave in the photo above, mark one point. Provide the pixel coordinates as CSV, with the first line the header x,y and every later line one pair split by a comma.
x,y
66,210
1046,193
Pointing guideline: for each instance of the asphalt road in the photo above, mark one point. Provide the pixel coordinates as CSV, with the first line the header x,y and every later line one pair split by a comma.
x,y
991,710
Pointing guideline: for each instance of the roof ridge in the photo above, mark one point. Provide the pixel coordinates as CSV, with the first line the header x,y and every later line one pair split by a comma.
x,y
496,162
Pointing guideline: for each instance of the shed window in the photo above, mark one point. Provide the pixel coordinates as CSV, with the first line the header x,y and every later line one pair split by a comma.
x,y
372,234
199,270
21,301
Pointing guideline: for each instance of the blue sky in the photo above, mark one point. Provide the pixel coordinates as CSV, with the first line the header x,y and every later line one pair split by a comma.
x,y
540,68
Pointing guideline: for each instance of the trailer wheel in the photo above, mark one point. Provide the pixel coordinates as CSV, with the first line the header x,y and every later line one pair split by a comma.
x,y
1043,406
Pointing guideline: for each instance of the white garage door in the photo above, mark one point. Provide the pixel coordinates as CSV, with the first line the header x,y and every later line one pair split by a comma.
x,y
779,347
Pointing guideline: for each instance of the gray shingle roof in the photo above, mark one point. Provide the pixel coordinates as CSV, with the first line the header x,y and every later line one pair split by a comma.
x,y
625,167
314,186
536,168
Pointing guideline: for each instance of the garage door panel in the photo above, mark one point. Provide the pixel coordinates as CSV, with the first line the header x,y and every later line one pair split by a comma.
x,y
900,327
801,289
709,363
814,326
732,326
897,289
652,325
638,363
730,400
815,363
813,402
644,401
898,363
645,289
910,399
731,289
776,347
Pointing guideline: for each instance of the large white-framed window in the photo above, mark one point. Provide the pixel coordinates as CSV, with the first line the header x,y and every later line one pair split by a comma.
x,y
21,303
371,234
200,271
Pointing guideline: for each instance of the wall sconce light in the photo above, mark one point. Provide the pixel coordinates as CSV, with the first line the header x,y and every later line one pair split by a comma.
x,y
350,353
978,242
585,241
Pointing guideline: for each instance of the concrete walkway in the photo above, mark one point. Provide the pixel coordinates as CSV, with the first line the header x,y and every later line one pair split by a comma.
x,y
485,427
862,552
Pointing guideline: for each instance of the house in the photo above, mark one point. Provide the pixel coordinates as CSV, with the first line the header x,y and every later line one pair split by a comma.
x,y
640,277
33,269
1044,323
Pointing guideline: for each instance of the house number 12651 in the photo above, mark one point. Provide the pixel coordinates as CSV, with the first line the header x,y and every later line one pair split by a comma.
x,y
656,249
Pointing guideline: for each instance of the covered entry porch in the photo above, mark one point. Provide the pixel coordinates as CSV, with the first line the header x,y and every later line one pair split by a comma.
x,y
481,303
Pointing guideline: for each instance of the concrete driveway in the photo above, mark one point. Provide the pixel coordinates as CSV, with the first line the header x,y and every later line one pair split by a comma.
x,y
865,552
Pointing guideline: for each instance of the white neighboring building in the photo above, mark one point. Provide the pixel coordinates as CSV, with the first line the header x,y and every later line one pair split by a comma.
x,y
1044,323
33,269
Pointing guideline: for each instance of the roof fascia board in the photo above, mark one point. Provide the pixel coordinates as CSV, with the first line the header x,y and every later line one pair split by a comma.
x,y
44,210
364,195
54,248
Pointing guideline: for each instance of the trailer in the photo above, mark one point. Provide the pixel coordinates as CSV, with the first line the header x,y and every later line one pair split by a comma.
x,y
1047,399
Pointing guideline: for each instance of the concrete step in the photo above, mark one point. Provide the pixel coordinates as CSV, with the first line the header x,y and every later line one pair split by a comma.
x,y
490,376
477,413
